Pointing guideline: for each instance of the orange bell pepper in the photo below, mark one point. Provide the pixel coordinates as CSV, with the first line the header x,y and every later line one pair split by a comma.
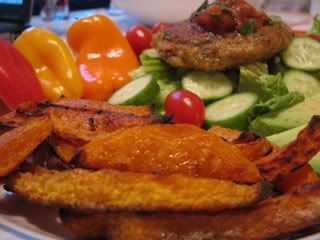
x,y
104,55
53,63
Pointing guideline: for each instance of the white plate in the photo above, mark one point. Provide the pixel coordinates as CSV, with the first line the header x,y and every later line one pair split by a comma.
x,y
22,221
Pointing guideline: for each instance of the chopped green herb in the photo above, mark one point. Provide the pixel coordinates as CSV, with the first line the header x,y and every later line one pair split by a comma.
x,y
247,27
275,18
204,5
216,17
315,29
224,8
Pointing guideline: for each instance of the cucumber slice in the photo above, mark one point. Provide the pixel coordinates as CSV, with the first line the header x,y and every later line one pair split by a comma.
x,y
231,112
141,91
302,82
208,86
303,54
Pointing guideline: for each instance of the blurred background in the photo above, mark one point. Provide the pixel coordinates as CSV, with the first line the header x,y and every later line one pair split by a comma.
x,y
74,5
284,5
57,15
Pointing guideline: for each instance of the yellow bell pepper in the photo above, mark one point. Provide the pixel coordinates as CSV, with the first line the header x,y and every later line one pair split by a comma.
x,y
53,63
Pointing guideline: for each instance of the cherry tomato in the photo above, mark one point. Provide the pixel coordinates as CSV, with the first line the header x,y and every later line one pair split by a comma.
x,y
314,36
140,38
186,107
299,33
158,27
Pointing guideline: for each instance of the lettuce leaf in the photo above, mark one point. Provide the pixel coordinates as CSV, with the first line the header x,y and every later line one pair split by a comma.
x,y
166,87
270,86
315,29
276,103
154,65
274,95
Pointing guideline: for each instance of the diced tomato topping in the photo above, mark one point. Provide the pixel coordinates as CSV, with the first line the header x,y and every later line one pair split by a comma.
x,y
229,15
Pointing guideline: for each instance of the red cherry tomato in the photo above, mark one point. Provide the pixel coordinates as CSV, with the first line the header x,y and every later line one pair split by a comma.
x,y
186,107
140,38
158,27
299,33
314,36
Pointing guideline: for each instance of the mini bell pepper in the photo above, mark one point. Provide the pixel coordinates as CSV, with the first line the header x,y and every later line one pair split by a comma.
x,y
18,81
104,55
53,63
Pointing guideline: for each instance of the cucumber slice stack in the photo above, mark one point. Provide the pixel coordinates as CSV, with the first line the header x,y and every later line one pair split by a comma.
x,y
303,54
231,112
141,91
209,86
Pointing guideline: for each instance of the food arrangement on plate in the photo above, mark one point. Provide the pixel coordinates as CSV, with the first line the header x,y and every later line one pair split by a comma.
x,y
210,137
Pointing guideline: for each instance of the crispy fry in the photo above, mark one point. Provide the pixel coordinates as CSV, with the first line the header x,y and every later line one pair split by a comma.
x,y
63,149
250,145
16,145
293,156
85,225
296,179
230,135
96,106
272,218
169,149
255,149
76,122
80,127
110,190
11,120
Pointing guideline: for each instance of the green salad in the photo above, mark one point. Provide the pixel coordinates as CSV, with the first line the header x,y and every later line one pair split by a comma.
x,y
273,99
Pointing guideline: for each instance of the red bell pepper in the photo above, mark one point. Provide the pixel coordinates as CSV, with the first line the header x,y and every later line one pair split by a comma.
x,y
18,81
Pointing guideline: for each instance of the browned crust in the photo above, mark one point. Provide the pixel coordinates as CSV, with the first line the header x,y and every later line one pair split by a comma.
x,y
79,127
95,106
186,45
120,191
293,156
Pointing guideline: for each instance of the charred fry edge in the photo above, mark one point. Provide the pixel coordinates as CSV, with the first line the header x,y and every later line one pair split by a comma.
x,y
93,105
288,158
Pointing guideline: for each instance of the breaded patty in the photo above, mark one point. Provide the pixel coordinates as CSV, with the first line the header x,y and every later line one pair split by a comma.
x,y
187,45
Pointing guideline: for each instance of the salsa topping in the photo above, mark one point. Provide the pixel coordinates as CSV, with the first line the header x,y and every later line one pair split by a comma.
x,y
228,16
